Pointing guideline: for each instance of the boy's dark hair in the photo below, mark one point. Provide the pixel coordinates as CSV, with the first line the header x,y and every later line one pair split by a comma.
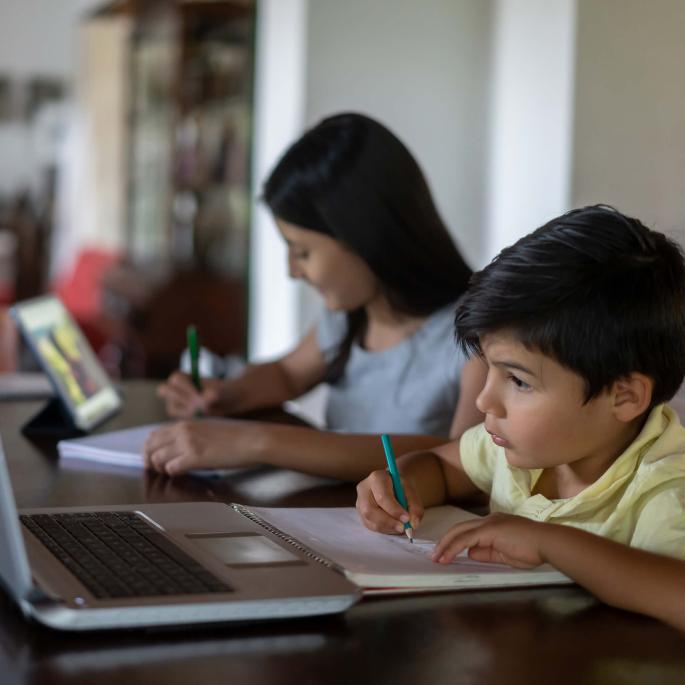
x,y
352,179
597,291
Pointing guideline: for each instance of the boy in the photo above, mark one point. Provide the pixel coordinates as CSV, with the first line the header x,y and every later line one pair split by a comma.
x,y
582,327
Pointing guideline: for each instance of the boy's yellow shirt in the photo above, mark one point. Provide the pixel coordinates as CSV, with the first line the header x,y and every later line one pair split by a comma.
x,y
639,500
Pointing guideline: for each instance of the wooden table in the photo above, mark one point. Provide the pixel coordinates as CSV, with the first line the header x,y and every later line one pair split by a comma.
x,y
555,635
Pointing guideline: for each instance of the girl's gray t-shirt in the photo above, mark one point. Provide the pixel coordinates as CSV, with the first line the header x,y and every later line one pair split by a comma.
x,y
412,387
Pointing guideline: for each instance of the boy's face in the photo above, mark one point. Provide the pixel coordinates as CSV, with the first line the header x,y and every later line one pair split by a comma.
x,y
535,410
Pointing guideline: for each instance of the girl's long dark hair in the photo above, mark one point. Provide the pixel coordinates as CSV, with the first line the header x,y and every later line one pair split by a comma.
x,y
350,178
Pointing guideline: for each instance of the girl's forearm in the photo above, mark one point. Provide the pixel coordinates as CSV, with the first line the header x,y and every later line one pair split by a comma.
x,y
346,456
259,386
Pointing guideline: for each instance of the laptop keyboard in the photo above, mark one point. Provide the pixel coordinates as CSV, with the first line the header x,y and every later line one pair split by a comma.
x,y
118,555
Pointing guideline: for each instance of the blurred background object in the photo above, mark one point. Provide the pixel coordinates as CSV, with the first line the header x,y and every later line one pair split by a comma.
x,y
136,211
133,143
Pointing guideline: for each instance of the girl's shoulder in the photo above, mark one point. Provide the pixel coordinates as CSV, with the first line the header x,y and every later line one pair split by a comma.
x,y
439,324
330,330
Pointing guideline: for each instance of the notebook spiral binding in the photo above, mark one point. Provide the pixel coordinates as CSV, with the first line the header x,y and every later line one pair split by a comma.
x,y
307,551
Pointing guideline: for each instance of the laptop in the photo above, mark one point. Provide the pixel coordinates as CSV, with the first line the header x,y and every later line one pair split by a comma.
x,y
85,397
154,565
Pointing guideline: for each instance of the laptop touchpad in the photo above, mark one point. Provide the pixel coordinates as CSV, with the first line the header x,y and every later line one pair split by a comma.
x,y
245,550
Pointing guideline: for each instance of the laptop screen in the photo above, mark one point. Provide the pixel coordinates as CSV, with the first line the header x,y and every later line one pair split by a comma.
x,y
68,359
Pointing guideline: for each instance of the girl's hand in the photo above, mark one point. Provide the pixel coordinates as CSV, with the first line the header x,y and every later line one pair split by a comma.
x,y
183,401
378,508
187,445
501,538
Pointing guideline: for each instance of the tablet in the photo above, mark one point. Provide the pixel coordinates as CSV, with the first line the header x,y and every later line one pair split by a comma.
x,y
81,384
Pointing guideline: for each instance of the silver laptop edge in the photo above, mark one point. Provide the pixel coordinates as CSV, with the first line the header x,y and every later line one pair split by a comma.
x,y
42,604
14,564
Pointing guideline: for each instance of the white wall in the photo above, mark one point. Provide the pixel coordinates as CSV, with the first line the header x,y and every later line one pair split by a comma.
x,y
531,117
278,120
422,69
629,147
37,38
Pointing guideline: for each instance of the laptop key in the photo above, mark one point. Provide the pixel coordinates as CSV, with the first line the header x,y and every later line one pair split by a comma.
x,y
118,555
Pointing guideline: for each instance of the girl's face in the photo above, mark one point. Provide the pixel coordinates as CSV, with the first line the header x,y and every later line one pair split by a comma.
x,y
341,277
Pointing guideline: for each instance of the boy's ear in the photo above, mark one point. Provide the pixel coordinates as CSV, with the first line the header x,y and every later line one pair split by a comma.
x,y
632,396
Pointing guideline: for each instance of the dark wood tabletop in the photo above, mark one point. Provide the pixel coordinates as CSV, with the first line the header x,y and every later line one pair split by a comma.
x,y
557,635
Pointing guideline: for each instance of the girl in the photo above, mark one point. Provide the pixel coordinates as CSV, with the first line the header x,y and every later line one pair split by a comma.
x,y
362,229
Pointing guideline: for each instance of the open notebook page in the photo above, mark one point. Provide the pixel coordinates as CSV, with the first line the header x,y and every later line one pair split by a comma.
x,y
376,560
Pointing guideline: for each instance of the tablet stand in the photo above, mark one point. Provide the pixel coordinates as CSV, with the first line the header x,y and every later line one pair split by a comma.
x,y
52,421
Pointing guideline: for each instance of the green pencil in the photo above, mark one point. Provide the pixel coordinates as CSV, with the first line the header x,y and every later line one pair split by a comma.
x,y
396,481
194,350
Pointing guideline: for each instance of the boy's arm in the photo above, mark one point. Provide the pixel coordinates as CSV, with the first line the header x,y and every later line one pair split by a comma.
x,y
429,478
619,575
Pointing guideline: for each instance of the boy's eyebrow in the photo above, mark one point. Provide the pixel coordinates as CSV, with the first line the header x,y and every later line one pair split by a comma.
x,y
514,365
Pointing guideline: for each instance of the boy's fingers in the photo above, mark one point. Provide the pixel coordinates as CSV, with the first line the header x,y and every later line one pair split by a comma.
x,y
415,505
384,494
486,554
459,537
376,519
371,512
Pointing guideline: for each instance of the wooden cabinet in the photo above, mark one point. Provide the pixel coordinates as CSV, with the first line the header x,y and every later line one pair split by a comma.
x,y
188,189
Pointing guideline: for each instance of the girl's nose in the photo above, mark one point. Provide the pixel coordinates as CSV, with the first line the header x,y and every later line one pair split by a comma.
x,y
294,270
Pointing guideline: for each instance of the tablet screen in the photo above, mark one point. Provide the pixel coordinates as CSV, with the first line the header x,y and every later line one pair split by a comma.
x,y
68,359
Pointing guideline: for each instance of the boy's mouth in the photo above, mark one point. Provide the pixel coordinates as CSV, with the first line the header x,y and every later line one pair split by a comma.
x,y
498,440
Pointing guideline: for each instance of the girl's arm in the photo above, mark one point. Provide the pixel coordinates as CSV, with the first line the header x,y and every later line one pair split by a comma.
x,y
229,443
211,444
259,386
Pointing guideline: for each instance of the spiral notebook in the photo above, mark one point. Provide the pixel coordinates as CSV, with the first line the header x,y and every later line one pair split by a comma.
x,y
387,564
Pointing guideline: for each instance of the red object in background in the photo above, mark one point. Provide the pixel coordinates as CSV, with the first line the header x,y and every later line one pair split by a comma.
x,y
82,293
6,294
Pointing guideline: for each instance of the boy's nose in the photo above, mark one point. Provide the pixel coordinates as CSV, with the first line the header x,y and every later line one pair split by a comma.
x,y
487,401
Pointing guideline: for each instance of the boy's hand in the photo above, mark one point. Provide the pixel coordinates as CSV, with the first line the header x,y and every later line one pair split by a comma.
x,y
501,538
378,508
183,401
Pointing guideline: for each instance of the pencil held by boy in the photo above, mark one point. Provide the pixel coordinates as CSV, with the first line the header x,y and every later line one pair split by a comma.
x,y
582,327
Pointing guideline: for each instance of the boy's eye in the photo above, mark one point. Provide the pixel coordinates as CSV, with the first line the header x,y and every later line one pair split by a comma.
x,y
521,385
299,254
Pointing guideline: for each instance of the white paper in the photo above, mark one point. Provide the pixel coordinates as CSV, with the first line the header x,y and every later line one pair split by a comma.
x,y
375,559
